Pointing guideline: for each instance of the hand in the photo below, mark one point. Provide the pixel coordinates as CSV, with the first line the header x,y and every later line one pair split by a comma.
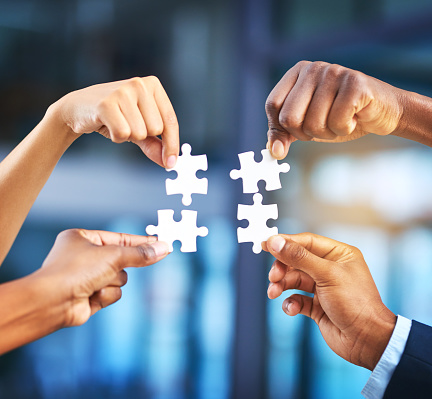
x,y
317,101
136,110
346,304
86,268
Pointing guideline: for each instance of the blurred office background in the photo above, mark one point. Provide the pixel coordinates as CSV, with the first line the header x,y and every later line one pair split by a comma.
x,y
200,325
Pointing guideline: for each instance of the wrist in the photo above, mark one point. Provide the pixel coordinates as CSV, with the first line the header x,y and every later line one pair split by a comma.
x,y
416,120
54,118
34,310
375,337
54,301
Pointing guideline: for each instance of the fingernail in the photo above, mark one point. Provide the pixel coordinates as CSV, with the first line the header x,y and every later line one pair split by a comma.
x,y
171,161
288,307
277,243
160,248
278,149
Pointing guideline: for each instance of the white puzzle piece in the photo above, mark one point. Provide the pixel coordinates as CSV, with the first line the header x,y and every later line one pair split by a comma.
x,y
185,231
252,172
186,182
257,215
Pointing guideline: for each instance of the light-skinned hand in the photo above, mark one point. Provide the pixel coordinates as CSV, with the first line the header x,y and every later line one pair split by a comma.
x,y
136,110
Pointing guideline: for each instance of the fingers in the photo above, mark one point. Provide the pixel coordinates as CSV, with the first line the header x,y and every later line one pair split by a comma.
x,y
278,271
317,101
119,249
170,134
136,110
139,256
297,256
103,298
279,143
293,111
152,147
302,304
114,124
279,140
293,280
323,247
120,280
99,237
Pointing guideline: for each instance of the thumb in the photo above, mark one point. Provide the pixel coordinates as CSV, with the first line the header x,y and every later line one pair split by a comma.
x,y
297,256
279,142
140,255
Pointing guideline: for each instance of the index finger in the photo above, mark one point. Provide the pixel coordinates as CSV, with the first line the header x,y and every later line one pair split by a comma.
x,y
297,256
99,237
279,139
170,134
324,247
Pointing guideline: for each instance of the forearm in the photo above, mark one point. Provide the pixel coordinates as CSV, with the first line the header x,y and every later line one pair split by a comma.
x,y
29,310
24,172
416,120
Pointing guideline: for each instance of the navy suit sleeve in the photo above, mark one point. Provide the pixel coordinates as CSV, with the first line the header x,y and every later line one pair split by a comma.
x,y
412,377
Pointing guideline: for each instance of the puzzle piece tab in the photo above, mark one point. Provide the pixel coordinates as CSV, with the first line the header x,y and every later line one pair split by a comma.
x,y
186,182
257,215
185,231
252,172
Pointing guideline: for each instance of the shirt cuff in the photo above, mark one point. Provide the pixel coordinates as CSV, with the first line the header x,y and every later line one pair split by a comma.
x,y
383,371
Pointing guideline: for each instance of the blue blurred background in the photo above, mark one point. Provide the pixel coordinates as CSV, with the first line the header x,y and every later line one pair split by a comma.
x,y
200,325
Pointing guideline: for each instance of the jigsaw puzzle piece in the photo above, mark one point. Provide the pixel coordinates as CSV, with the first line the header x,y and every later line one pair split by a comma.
x,y
257,215
270,170
186,182
252,172
246,161
185,231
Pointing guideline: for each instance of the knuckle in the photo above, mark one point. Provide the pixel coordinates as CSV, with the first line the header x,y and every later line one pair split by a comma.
x,y
276,134
298,281
302,64
104,105
130,85
340,127
316,67
290,121
125,240
124,91
334,71
353,79
121,135
156,130
296,253
271,106
117,294
152,80
355,251
69,233
135,82
123,277
314,128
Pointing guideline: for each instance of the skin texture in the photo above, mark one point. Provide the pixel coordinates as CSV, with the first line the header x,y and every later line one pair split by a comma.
x,y
136,110
317,101
83,273
346,304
